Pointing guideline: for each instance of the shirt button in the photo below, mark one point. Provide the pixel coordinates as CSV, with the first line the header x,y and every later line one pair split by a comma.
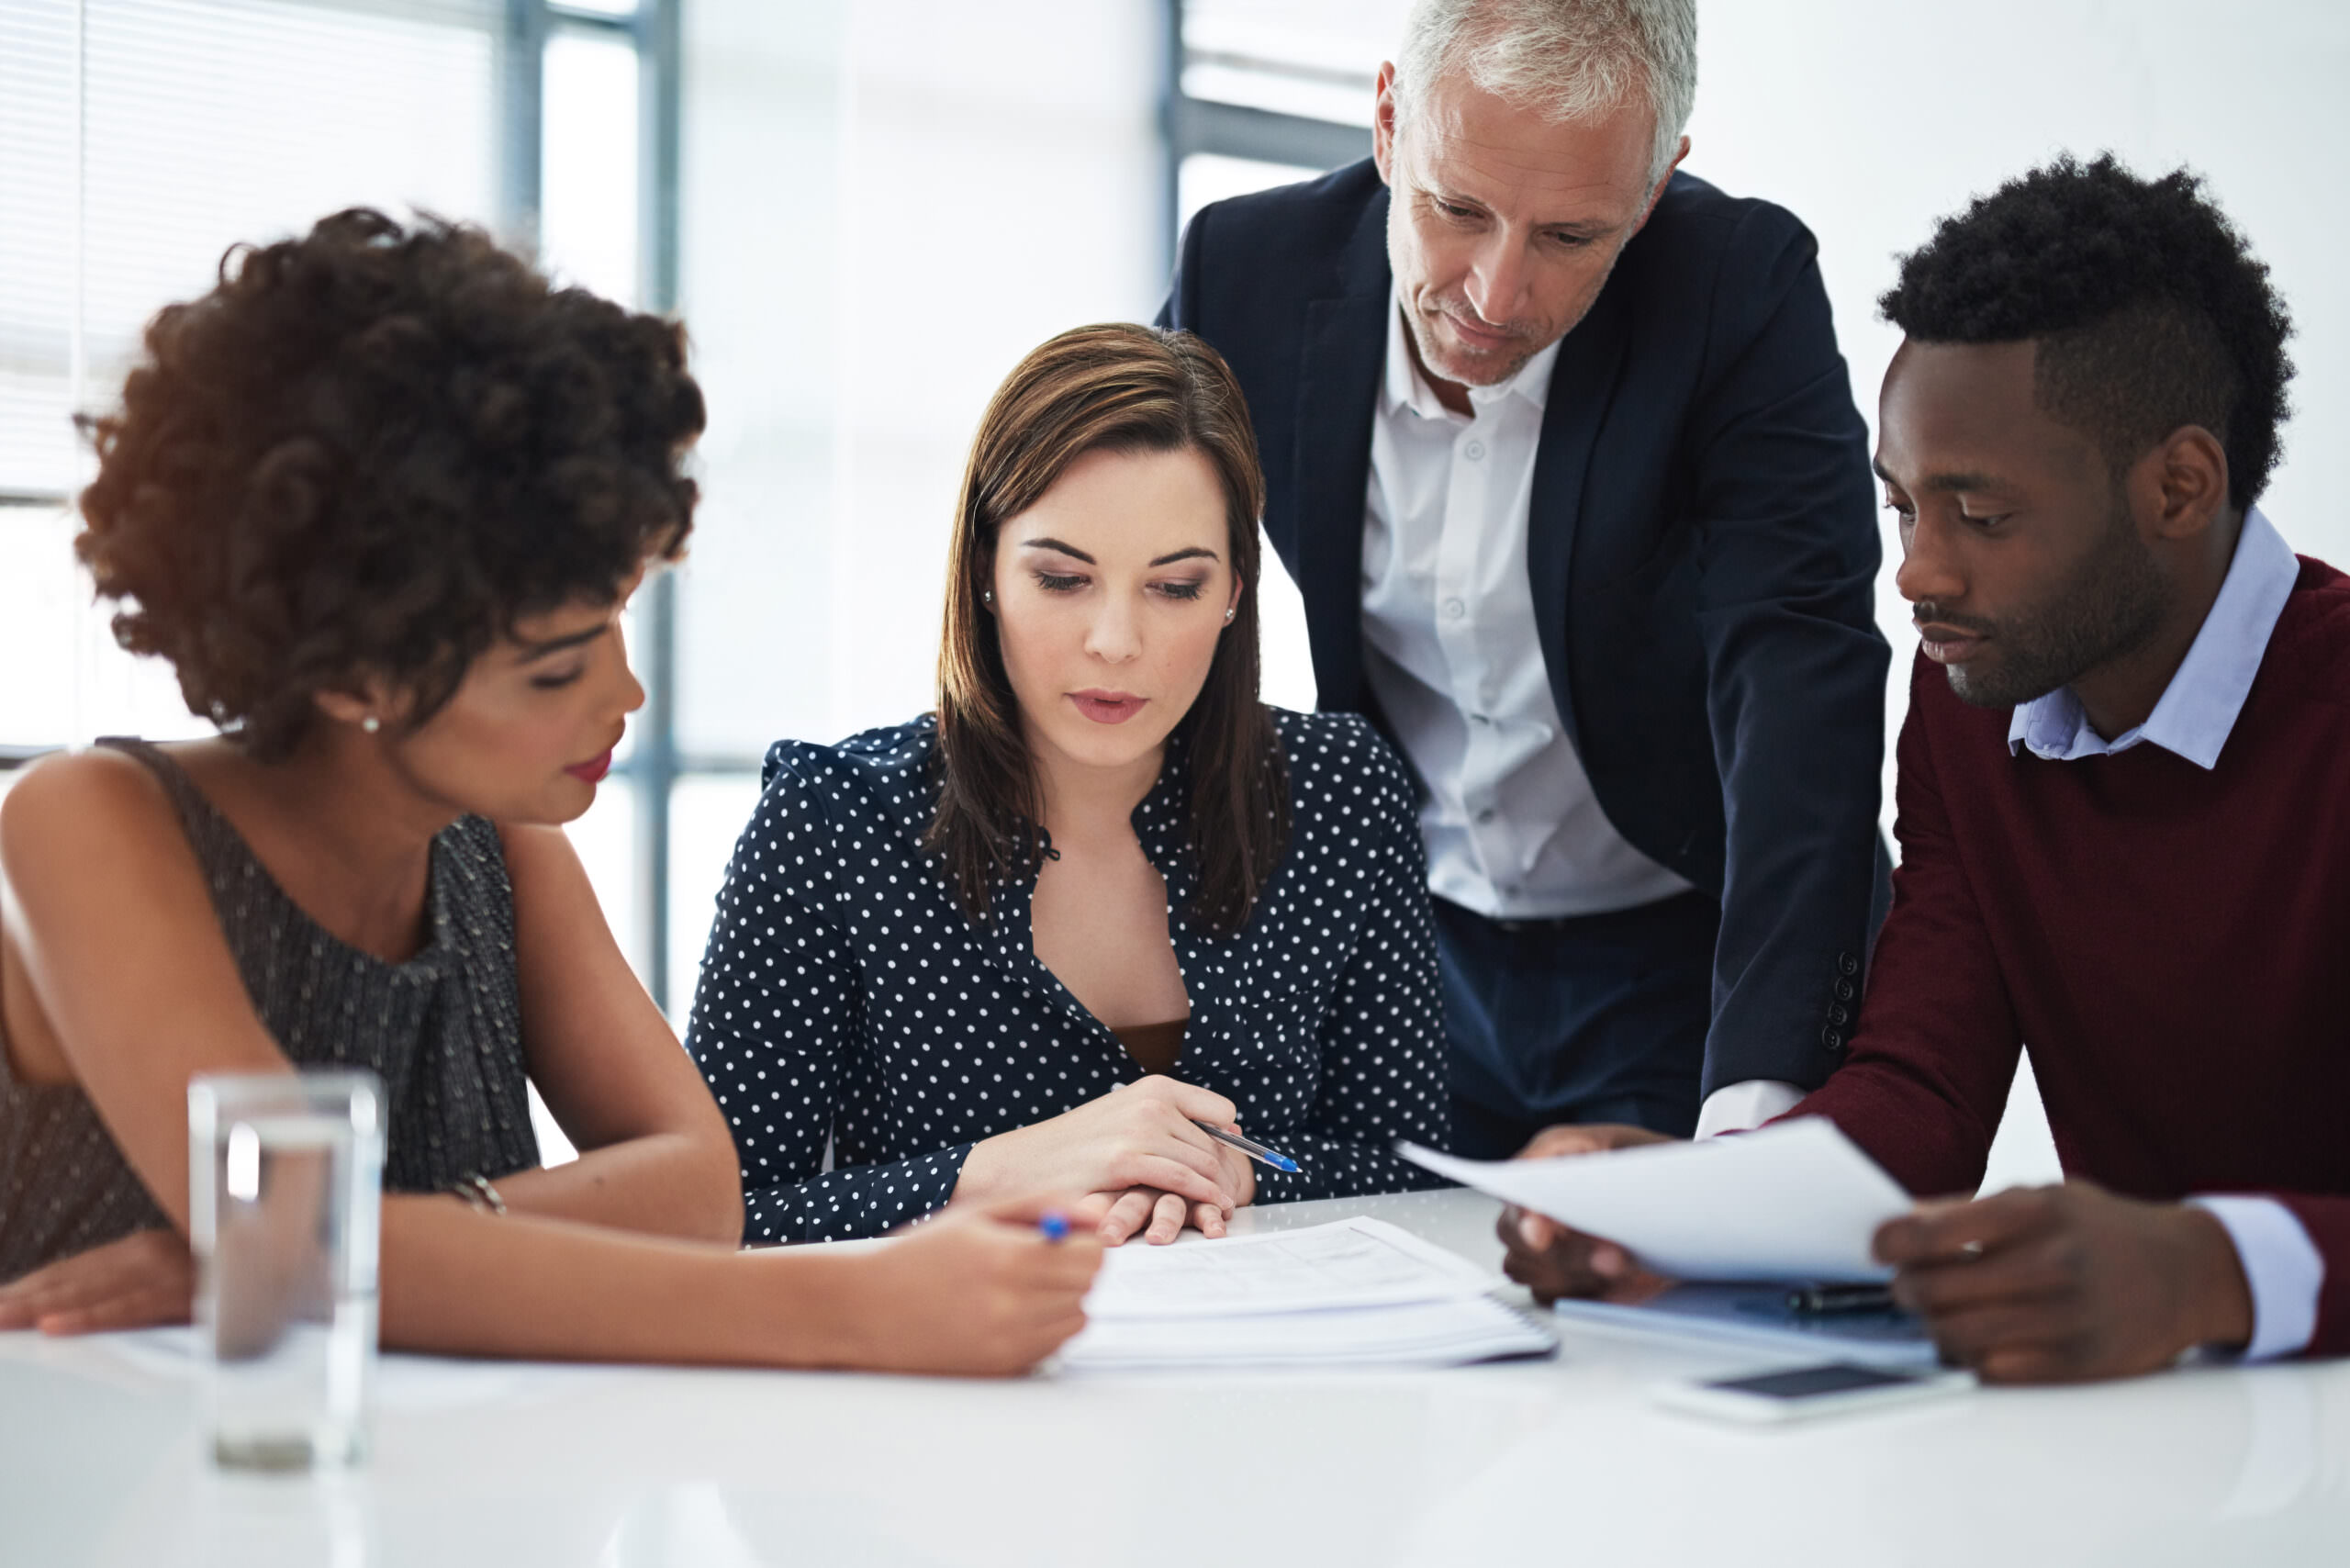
x,y
1454,609
1488,814
1473,450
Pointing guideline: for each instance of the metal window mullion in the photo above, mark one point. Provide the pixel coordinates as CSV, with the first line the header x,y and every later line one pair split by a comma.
x,y
658,33
521,172
655,32
1170,138
1190,124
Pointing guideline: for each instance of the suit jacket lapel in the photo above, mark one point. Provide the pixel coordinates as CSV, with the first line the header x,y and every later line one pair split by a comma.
x,y
1337,395
1583,384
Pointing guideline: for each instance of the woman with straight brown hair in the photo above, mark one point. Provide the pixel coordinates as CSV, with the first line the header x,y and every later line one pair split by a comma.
x,y
1102,897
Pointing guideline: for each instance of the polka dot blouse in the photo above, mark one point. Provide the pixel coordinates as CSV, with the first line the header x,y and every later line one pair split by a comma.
x,y
846,998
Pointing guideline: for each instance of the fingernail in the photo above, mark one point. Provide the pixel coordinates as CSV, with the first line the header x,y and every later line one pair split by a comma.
x,y
1607,1260
1527,1232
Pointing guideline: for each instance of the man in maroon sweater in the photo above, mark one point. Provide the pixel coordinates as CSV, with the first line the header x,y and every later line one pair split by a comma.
x,y
2123,808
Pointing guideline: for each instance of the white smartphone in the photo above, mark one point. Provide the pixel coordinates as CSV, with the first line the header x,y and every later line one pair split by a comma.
x,y
1830,1389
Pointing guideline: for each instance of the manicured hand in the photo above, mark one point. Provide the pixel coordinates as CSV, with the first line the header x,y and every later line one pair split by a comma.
x,y
2059,1285
1552,1260
141,1281
1139,1136
976,1291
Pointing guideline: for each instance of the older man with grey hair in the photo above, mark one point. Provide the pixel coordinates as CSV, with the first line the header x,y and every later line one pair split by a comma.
x,y
1562,457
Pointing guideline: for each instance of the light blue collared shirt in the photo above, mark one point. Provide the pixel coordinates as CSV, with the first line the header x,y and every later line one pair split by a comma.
x,y
2197,711
2201,704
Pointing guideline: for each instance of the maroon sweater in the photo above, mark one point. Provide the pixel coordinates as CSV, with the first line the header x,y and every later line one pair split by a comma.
x,y
2171,944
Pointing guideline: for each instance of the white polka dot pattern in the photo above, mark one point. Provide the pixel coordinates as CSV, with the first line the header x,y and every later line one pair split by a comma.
x,y
847,998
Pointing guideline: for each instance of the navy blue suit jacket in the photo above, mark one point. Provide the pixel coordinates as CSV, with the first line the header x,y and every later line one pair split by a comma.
x,y
1702,551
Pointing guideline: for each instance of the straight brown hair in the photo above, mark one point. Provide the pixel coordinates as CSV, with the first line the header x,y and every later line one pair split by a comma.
x,y
1116,387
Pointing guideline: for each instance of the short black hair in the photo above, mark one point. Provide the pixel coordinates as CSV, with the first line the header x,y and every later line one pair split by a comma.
x,y
368,452
2150,311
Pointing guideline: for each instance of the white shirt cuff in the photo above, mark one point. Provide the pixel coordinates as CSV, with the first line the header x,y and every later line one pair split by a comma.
x,y
2282,1267
1743,1107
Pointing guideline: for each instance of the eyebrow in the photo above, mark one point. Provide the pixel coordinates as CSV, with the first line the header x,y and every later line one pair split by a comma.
x,y
533,652
1578,228
1196,551
1945,483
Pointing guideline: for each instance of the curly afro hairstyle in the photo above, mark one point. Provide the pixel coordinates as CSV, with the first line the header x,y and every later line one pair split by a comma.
x,y
367,452
2150,309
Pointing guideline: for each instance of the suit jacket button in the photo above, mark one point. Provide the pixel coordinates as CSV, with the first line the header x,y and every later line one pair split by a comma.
x,y
1847,964
1843,990
1832,1038
1838,1015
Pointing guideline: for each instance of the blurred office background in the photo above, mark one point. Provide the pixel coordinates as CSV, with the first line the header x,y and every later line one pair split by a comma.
x,y
867,210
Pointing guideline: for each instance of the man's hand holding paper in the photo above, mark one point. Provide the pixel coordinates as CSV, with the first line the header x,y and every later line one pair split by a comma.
x,y
1797,1200
1556,1260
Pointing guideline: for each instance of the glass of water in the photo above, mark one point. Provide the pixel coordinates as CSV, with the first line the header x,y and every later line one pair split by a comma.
x,y
284,1184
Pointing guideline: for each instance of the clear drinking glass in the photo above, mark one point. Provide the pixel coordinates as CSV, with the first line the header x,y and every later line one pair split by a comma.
x,y
284,1184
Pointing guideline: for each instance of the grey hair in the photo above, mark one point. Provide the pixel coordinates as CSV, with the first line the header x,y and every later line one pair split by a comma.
x,y
1569,60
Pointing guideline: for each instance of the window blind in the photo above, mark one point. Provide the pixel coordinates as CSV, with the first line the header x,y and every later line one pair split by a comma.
x,y
139,139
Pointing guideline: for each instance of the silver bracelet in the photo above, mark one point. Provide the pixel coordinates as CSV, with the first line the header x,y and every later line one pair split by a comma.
x,y
478,1193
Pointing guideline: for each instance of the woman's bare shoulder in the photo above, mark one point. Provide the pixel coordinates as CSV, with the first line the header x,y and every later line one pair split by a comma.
x,y
98,795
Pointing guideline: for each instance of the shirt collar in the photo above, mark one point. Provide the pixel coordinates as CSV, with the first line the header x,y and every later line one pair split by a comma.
x,y
2199,707
1402,386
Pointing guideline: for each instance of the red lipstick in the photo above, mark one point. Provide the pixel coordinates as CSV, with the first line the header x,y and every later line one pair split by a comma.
x,y
592,771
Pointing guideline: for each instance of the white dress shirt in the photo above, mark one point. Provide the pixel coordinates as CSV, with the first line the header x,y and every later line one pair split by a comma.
x,y
1513,829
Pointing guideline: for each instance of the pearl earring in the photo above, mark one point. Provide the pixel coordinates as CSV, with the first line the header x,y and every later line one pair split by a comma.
x,y
1229,614
371,723
987,595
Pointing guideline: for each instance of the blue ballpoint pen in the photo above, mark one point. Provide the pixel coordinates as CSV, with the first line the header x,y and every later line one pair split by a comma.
x,y
1249,1147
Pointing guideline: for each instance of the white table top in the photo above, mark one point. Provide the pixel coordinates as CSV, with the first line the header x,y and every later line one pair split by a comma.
x,y
1552,1461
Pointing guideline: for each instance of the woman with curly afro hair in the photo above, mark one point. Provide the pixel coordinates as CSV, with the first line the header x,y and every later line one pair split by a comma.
x,y
379,499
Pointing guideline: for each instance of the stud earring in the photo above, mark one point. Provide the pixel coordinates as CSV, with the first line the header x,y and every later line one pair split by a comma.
x,y
371,723
1229,614
987,595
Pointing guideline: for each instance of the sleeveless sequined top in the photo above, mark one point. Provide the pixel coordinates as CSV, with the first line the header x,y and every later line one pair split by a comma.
x,y
443,1030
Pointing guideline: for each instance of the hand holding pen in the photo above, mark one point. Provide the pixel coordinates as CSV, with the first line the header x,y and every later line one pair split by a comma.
x,y
1262,1154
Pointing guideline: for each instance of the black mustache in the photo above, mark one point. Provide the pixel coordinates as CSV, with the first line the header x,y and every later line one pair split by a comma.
x,y
1927,614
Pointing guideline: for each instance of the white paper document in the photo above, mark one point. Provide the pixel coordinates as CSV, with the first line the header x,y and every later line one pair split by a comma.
x,y
404,1383
1355,1292
1416,1334
1796,1200
1347,1263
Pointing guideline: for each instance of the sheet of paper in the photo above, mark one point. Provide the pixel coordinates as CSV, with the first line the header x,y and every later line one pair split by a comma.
x,y
404,1383
1797,1200
1411,1334
1352,1262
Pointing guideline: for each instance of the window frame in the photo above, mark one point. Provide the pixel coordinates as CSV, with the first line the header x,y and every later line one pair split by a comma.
x,y
1235,131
